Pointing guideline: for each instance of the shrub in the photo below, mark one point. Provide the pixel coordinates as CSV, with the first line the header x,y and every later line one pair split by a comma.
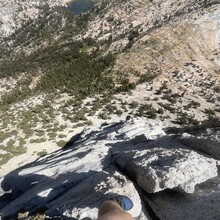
x,y
162,88
168,107
42,153
147,77
10,143
88,123
103,116
146,110
118,112
126,86
169,98
4,158
110,108
79,116
52,134
193,104
185,119
160,111
38,140
40,133
217,89
61,143
22,142
134,104
4,135
210,113
61,136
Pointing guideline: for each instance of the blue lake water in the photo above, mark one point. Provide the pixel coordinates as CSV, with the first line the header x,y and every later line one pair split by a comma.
x,y
79,6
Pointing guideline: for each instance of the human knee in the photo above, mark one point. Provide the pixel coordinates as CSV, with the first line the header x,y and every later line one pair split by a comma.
x,y
116,216
110,210
109,207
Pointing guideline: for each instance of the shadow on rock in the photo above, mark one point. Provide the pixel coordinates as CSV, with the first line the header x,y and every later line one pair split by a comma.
x,y
31,193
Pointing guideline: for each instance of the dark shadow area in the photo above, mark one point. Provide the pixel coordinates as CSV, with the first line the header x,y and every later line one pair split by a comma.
x,y
85,195
34,192
31,193
212,123
104,131
72,141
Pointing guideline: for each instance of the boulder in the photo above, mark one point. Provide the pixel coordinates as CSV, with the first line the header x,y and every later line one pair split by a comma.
x,y
170,165
84,199
206,142
63,197
204,203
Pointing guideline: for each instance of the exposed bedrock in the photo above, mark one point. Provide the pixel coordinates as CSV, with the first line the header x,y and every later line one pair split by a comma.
x,y
202,204
207,142
104,161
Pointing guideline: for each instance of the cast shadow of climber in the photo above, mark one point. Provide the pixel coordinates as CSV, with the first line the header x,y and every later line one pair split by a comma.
x,y
32,189
33,193
22,179
84,199
37,186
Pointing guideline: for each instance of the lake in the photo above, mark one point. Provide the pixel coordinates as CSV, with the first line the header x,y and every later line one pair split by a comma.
x,y
79,6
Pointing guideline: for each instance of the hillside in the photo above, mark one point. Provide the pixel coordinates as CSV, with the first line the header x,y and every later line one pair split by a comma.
x,y
59,72
14,13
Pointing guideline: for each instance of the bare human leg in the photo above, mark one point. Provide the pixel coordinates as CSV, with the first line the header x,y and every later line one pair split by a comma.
x,y
110,210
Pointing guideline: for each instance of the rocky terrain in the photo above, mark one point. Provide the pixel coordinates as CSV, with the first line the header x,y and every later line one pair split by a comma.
x,y
154,61
14,13
164,66
165,178
177,41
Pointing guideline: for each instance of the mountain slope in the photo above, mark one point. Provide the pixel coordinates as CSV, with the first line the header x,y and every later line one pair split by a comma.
x,y
153,59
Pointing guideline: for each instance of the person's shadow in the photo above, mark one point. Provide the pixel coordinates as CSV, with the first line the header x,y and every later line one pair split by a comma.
x,y
34,193
31,189
49,186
